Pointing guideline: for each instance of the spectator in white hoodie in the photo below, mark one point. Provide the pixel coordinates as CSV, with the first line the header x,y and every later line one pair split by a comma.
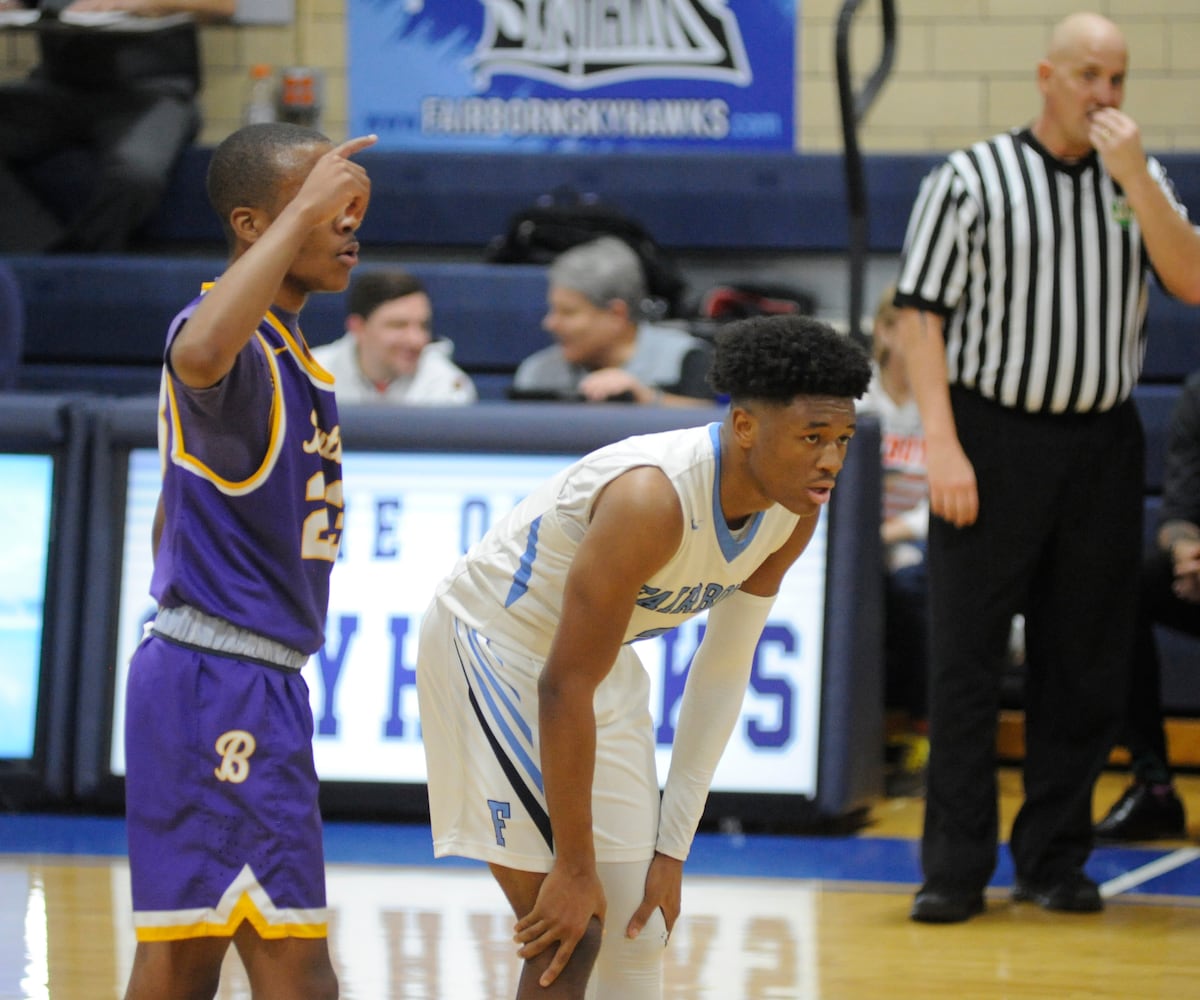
x,y
388,354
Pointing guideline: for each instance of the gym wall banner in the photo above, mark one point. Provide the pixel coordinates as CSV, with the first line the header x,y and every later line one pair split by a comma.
x,y
573,75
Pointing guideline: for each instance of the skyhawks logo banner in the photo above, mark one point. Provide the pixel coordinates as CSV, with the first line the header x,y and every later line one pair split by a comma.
x,y
589,42
573,74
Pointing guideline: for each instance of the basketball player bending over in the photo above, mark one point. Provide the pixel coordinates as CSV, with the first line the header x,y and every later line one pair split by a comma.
x,y
534,706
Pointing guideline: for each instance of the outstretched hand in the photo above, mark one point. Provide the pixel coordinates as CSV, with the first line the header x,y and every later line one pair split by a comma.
x,y
565,905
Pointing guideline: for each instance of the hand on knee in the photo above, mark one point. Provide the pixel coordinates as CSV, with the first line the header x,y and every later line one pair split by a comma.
x,y
571,983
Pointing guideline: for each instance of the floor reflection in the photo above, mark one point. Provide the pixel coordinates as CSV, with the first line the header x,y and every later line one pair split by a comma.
x,y
404,934
765,918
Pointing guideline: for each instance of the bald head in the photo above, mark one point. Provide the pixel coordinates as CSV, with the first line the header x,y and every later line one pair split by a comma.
x,y
1077,34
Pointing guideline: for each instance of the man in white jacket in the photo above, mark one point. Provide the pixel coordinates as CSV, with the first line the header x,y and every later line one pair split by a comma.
x,y
388,354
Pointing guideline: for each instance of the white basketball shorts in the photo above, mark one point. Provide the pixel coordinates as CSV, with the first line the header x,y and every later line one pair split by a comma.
x,y
479,724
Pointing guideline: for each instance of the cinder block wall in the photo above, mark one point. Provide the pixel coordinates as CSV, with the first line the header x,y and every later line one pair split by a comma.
x,y
964,69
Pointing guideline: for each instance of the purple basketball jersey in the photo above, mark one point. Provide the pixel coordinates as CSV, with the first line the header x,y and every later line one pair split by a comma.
x,y
254,464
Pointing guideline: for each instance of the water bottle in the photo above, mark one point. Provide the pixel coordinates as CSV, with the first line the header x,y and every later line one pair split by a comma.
x,y
300,91
260,103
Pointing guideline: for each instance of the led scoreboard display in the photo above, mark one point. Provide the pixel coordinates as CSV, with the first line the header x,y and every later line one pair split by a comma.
x,y
409,516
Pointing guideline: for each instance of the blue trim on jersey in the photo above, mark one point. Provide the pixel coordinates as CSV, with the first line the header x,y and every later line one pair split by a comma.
x,y
520,582
731,547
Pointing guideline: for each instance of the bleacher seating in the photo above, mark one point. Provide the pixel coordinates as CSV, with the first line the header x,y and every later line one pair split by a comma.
x,y
740,202
1172,352
12,327
694,201
1179,653
1173,338
98,323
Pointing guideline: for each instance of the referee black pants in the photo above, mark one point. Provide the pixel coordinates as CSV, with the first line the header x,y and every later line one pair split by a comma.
x,y
1058,539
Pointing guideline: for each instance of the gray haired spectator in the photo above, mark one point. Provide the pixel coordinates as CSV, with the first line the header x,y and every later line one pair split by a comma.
x,y
603,348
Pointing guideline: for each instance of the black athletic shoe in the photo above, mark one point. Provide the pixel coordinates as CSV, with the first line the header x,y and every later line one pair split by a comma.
x,y
1144,812
1072,893
930,906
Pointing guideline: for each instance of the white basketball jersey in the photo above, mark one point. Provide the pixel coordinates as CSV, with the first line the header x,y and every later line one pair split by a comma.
x,y
510,585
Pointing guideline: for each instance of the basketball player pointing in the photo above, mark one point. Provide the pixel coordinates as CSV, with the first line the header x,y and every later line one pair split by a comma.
x,y
221,791
534,706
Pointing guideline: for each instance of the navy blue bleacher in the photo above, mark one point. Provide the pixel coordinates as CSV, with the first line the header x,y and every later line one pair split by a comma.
x,y
1155,403
12,327
1173,338
690,201
98,323
1172,352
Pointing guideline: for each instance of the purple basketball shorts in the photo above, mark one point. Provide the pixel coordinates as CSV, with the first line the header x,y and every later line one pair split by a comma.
x,y
220,797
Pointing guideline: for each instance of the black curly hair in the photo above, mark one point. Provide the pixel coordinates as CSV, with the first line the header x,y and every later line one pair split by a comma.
x,y
774,359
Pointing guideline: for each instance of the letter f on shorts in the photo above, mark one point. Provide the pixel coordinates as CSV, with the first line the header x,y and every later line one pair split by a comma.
x,y
500,812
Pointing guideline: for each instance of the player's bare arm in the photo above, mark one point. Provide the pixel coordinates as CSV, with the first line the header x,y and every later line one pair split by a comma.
x,y
636,526
336,189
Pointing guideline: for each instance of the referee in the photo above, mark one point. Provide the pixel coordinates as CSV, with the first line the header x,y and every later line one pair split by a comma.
x,y
1022,286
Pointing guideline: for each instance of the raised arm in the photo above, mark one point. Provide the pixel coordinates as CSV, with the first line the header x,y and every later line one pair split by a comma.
x,y
336,191
1171,240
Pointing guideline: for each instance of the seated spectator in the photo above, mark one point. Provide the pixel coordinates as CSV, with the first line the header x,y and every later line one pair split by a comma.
x,y
1170,595
904,527
131,98
388,354
603,350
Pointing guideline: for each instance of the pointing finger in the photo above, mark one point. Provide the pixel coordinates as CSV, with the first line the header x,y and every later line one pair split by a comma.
x,y
356,145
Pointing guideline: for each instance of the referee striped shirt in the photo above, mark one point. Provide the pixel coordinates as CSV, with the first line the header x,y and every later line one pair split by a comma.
x,y
1038,268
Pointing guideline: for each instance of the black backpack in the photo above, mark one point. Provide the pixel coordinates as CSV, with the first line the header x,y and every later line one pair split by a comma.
x,y
565,218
